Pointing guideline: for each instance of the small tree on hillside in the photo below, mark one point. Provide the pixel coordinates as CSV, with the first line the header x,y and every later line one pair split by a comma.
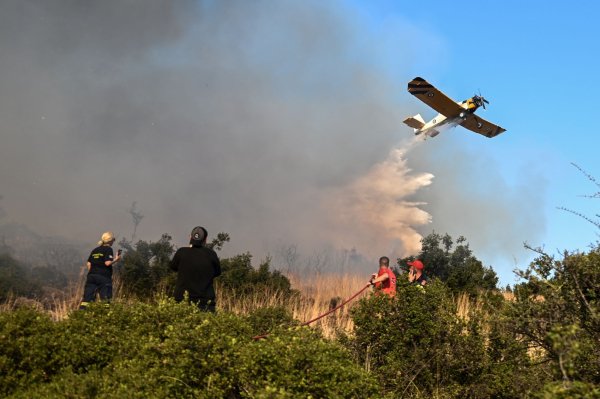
x,y
239,277
459,268
290,255
218,242
136,217
557,312
145,265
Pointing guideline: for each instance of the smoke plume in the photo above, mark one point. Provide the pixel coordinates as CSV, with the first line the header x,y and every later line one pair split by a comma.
x,y
373,211
272,121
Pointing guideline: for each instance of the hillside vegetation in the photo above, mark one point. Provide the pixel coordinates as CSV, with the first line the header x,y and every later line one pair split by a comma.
x,y
541,340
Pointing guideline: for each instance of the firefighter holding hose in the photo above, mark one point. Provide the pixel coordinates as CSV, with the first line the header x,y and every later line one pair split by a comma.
x,y
385,280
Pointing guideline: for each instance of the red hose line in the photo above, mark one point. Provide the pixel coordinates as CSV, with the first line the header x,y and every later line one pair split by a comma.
x,y
323,315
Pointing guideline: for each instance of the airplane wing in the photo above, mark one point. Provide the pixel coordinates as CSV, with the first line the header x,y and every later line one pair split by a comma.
x,y
479,125
431,96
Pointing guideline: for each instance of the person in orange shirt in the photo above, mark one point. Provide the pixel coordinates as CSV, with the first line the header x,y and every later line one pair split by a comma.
x,y
385,280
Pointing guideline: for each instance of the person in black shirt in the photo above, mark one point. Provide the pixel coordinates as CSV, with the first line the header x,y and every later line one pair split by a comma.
x,y
99,278
196,267
416,275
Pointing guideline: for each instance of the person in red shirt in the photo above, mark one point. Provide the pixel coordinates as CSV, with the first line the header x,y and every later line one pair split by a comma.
x,y
385,280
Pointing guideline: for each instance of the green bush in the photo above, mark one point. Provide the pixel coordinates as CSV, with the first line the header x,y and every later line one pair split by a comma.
x,y
240,277
557,310
265,320
418,346
576,390
144,269
167,350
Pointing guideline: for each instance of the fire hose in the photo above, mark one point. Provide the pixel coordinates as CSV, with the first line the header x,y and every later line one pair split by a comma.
x,y
323,315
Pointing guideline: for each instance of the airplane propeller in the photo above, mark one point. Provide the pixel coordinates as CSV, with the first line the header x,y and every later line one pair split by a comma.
x,y
482,101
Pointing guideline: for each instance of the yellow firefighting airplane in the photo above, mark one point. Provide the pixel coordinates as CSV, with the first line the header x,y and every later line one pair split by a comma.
x,y
451,113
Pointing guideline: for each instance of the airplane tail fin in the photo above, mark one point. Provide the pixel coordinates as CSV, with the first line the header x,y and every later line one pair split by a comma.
x,y
416,122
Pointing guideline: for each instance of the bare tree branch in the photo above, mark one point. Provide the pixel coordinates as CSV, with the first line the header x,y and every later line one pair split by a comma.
x,y
136,217
290,255
594,222
587,175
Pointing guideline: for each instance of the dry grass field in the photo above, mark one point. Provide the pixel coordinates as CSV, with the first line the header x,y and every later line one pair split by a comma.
x,y
317,295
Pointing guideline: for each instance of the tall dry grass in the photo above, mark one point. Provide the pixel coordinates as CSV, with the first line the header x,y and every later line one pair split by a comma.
x,y
317,294
56,303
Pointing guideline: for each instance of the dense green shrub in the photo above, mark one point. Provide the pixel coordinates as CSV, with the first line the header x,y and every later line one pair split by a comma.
x,y
459,268
576,390
265,320
167,350
242,278
144,269
557,310
418,346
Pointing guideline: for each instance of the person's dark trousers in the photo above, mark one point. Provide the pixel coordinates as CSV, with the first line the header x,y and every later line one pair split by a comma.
x,y
96,283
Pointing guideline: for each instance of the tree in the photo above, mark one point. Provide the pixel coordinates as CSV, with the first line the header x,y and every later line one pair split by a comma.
x,y
459,268
557,312
218,242
239,276
290,255
136,217
145,265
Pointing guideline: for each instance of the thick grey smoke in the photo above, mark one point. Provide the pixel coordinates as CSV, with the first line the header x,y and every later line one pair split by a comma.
x,y
267,120
473,198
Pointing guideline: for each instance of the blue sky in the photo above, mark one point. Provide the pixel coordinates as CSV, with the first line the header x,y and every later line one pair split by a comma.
x,y
537,63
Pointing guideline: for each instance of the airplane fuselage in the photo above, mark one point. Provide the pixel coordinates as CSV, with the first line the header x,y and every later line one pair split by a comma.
x,y
450,112
432,128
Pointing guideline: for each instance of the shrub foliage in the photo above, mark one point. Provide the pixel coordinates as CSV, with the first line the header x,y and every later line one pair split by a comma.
x,y
543,341
167,350
418,346
557,310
